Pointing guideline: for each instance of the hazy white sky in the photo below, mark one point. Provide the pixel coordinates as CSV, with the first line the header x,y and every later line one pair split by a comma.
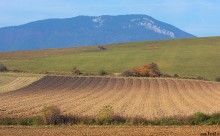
x,y
198,17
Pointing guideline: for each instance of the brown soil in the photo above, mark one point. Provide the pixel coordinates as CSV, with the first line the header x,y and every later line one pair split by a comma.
x,y
8,84
149,98
109,131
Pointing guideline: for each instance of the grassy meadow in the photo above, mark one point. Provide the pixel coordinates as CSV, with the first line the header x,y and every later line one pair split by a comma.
x,y
185,57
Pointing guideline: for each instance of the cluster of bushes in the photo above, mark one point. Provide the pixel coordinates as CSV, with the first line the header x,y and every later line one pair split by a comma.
x,y
147,70
76,71
3,68
103,73
52,116
152,70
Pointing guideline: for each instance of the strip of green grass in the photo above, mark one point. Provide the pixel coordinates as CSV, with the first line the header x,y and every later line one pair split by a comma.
x,y
196,119
185,57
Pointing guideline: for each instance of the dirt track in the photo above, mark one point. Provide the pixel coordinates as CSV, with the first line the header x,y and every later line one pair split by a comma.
x,y
149,98
110,131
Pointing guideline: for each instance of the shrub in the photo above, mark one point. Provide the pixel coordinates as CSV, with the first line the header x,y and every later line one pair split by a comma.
x,y
70,119
217,79
147,70
105,115
127,73
7,121
176,75
30,121
214,119
199,118
88,120
22,121
103,73
51,115
154,69
3,68
117,119
76,71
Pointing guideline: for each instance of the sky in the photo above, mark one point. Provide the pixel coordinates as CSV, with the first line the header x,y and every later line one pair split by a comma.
x,y
198,17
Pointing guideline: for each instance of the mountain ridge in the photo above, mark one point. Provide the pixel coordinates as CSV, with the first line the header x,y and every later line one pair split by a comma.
x,y
86,30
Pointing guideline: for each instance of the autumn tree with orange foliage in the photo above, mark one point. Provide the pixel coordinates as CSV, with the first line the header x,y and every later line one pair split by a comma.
x,y
147,70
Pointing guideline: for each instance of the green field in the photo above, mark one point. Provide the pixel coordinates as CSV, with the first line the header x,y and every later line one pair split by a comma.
x,y
185,57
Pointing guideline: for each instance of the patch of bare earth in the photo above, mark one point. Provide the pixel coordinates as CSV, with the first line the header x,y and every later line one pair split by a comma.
x,y
109,130
8,84
149,98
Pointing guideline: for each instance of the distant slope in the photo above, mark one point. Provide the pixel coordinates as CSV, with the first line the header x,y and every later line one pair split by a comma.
x,y
86,30
185,57
12,83
131,97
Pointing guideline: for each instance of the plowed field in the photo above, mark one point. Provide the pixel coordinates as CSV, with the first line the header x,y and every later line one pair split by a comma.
x,y
13,83
149,98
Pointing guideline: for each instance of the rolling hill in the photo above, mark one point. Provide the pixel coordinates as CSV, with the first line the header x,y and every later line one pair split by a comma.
x,y
130,97
11,82
185,57
86,30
